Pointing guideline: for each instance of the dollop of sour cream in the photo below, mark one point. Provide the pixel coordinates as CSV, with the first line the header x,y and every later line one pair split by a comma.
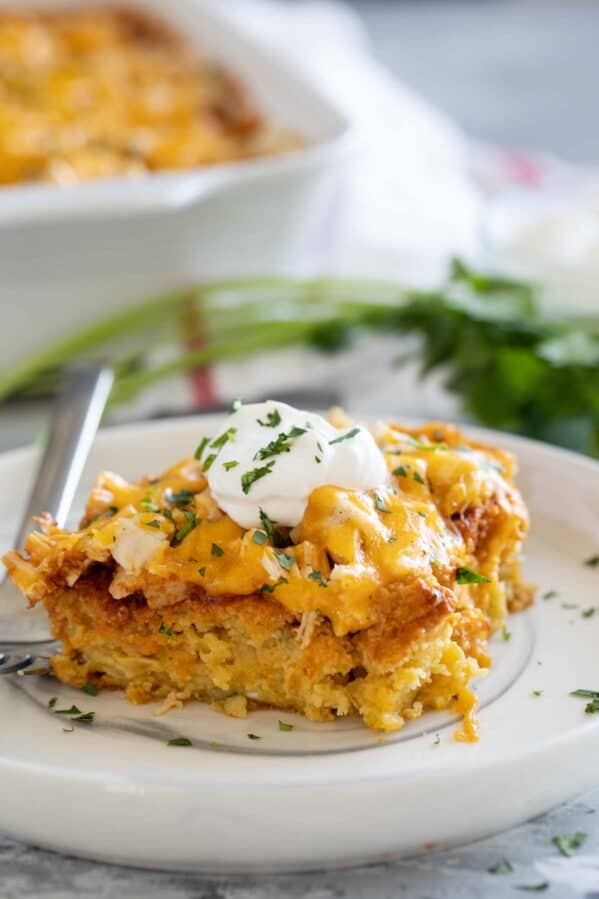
x,y
271,456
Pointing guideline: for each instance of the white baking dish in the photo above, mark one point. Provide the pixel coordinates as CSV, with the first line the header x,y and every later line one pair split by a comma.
x,y
68,255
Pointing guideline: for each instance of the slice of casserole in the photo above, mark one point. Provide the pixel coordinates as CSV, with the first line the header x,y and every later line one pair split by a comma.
x,y
377,604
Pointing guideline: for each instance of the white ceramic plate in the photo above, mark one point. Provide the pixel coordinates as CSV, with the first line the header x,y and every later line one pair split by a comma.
x,y
322,794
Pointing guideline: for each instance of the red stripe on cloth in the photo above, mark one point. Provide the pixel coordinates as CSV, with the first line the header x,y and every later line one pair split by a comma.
x,y
200,379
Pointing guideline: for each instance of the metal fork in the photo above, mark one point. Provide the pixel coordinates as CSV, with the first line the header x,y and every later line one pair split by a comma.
x,y
77,413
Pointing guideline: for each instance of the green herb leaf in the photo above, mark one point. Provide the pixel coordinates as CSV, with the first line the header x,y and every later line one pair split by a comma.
x,y
153,524
167,631
226,437
52,702
285,727
507,635
347,436
592,562
549,594
229,465
90,689
254,737
569,843
317,576
216,550
588,613
203,444
250,477
147,504
85,718
502,867
236,405
268,524
537,692
533,887
259,537
180,498
401,471
179,741
465,575
189,524
72,711
418,478
272,419
209,462
380,503
284,560
202,571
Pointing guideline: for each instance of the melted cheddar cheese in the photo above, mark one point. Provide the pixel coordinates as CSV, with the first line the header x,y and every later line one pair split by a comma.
x,y
378,568
102,92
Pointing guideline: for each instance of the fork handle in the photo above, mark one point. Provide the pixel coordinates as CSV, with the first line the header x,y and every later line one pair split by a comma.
x,y
79,407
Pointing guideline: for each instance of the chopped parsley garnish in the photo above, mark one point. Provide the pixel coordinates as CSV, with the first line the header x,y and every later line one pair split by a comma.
x,y
236,405
465,575
189,524
533,887
90,689
591,707
418,478
180,498
317,460
284,560
391,539
593,561
254,737
280,445
537,692
72,711
588,613
85,718
209,462
270,588
52,702
259,537
317,576
502,867
569,843
380,503
167,631
202,446
272,419
283,726
348,436
507,635
401,471
549,594
225,437
147,504
250,477
153,524
179,741
427,447
229,465
216,550
269,526
107,513
168,514
202,571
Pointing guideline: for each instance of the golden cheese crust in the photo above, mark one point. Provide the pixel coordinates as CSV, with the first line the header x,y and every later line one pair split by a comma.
x,y
97,92
379,604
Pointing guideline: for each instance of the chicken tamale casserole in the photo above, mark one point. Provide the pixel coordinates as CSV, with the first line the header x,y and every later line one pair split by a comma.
x,y
95,92
292,562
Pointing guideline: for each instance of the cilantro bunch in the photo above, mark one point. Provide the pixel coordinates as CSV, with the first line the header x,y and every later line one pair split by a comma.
x,y
512,367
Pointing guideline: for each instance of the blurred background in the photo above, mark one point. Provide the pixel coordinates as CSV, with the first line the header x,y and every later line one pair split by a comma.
x,y
439,131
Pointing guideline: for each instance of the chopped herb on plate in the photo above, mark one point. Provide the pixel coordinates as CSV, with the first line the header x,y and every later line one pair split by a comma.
x,y
465,575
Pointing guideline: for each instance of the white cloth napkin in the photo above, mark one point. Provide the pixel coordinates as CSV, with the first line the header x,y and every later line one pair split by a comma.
x,y
410,203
